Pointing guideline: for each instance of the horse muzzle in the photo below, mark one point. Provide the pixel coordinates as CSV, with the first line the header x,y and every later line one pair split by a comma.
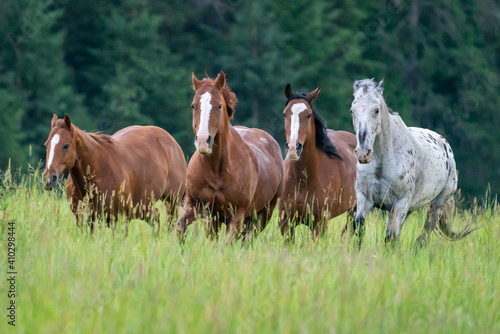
x,y
364,156
50,181
294,151
204,144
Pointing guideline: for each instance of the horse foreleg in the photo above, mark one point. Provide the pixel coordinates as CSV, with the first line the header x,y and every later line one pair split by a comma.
x,y
249,229
319,229
171,203
287,227
188,216
155,221
212,225
235,224
349,221
257,223
363,206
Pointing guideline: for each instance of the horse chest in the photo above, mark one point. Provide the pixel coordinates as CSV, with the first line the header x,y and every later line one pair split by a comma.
x,y
305,195
386,184
220,191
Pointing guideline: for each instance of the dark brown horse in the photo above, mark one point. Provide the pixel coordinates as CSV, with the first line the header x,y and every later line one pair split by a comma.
x,y
236,173
115,174
320,168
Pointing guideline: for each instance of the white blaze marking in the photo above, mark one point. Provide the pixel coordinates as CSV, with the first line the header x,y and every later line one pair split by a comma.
x,y
206,107
296,110
53,144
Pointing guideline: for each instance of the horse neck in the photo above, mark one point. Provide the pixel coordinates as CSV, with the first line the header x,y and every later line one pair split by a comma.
x,y
87,159
387,141
309,160
219,157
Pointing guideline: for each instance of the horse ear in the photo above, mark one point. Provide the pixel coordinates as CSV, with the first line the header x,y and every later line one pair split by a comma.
x,y
67,121
53,121
355,86
312,95
220,81
380,86
288,91
196,82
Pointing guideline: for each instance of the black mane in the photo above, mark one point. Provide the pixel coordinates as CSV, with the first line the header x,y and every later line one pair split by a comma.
x,y
323,143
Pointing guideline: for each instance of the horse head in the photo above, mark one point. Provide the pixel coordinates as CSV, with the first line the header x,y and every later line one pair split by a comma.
x,y
61,151
213,106
366,119
299,121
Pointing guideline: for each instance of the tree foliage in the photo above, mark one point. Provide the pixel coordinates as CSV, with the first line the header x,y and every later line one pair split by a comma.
x,y
117,63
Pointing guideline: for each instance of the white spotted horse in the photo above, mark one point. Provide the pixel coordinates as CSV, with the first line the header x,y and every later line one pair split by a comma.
x,y
400,169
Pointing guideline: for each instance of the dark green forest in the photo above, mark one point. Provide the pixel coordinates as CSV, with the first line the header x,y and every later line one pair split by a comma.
x,y
111,64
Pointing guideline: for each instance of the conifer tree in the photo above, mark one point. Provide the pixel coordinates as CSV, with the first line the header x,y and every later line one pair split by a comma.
x,y
34,78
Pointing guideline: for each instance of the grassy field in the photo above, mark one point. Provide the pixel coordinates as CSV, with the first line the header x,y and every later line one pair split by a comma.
x,y
70,282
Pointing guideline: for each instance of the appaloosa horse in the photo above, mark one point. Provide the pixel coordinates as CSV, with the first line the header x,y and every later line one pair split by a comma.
x,y
119,174
236,173
400,169
320,168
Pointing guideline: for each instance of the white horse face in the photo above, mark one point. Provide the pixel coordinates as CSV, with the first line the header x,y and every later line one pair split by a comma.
x,y
366,118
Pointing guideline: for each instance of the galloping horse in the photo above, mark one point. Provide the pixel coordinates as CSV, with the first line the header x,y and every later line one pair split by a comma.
x,y
320,168
236,173
400,169
122,173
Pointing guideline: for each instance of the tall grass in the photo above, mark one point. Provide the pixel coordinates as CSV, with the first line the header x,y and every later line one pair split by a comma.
x,y
71,282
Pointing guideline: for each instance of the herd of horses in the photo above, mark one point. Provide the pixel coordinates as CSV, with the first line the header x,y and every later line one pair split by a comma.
x,y
237,175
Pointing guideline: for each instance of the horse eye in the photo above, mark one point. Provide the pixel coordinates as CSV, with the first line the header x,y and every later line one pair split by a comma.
x,y
66,146
376,111
192,106
220,106
284,115
309,116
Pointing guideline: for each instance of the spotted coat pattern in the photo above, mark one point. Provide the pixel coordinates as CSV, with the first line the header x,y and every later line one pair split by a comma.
x,y
400,168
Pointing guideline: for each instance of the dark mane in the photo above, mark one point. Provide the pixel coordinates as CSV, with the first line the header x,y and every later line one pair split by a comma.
x,y
323,142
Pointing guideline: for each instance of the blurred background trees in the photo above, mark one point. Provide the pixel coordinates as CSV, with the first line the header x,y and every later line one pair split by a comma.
x,y
117,63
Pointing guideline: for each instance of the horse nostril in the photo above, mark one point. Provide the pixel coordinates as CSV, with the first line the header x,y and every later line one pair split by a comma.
x,y
299,147
209,140
53,179
369,153
286,145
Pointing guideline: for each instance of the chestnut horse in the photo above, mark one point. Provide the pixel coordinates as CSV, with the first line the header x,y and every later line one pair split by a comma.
x,y
119,174
236,173
320,168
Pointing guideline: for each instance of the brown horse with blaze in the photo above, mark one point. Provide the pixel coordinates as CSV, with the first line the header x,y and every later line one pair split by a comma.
x,y
320,168
119,174
236,172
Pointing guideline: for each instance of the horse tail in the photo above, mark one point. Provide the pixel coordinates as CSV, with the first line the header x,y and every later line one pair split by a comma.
x,y
445,230
444,226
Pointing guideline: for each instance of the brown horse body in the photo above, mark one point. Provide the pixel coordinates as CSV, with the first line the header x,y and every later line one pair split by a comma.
x,y
320,168
236,173
120,174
